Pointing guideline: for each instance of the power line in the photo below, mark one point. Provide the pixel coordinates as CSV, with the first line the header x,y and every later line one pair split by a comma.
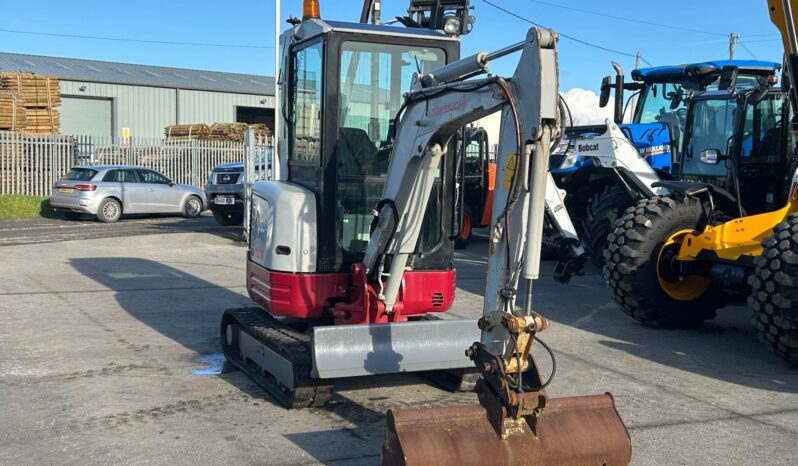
x,y
631,20
742,44
633,55
144,41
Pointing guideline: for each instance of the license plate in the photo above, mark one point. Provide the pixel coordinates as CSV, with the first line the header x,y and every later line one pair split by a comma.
x,y
65,190
224,200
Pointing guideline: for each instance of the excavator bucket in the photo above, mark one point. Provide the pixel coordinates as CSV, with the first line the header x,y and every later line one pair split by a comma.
x,y
583,430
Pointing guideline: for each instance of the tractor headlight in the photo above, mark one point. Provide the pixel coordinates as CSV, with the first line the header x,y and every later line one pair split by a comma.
x,y
451,25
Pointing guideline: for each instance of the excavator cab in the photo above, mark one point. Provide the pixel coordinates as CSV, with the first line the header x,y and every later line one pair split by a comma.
x,y
345,87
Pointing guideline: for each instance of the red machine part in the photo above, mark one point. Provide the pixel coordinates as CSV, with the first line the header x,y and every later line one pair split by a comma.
x,y
348,296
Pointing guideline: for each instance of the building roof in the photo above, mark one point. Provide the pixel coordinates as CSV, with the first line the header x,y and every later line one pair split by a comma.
x,y
73,69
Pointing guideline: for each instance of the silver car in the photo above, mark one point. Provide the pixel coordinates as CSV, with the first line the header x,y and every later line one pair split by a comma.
x,y
108,191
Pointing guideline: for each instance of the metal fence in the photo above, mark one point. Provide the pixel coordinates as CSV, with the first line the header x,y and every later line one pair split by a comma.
x,y
31,163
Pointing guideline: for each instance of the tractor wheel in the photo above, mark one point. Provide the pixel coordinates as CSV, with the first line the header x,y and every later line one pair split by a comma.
x,y
774,290
604,208
466,230
641,268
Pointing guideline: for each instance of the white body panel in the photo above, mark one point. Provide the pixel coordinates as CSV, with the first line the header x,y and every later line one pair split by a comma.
x,y
284,235
613,150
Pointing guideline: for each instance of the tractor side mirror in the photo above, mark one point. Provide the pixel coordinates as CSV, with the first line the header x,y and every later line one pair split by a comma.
x,y
606,87
710,156
676,99
759,95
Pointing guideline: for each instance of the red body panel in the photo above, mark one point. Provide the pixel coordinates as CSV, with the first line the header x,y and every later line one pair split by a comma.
x,y
310,295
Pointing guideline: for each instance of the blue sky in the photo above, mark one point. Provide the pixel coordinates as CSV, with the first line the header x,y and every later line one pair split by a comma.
x,y
697,30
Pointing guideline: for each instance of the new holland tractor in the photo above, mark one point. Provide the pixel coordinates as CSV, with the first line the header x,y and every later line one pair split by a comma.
x,y
597,197
727,230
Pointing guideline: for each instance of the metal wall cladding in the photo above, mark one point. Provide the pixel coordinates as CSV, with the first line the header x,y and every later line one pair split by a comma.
x,y
148,110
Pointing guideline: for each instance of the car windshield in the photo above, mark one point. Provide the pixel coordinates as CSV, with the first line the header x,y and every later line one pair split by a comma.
x,y
80,174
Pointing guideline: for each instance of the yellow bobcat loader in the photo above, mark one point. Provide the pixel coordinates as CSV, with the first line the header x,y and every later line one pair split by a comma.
x,y
729,231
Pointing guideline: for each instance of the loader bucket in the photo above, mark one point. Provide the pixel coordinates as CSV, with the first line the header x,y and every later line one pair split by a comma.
x,y
583,430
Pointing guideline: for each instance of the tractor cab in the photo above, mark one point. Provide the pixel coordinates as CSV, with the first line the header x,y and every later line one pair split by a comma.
x,y
665,90
344,85
736,139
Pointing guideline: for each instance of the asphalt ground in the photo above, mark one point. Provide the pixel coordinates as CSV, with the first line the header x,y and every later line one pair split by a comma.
x,y
40,230
110,355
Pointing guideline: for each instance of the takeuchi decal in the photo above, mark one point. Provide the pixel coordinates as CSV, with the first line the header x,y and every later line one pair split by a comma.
x,y
458,105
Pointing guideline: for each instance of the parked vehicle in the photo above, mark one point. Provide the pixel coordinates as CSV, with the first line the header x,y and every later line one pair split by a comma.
x,y
597,197
225,189
109,191
478,174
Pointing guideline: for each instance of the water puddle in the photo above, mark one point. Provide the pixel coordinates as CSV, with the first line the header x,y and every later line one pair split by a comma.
x,y
215,363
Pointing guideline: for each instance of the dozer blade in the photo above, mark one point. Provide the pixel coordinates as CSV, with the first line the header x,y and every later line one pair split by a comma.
x,y
428,345
584,430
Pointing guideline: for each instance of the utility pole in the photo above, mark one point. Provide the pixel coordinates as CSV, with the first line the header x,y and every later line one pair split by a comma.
x,y
733,39
637,60
375,12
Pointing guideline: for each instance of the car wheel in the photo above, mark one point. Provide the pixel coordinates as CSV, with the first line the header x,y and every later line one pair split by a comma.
x,y
192,207
110,210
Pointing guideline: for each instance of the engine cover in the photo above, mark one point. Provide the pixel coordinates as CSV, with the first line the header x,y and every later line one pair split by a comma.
x,y
283,227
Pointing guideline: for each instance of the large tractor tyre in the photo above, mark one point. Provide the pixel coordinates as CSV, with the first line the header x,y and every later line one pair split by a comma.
x,y
640,260
603,209
228,219
774,290
466,230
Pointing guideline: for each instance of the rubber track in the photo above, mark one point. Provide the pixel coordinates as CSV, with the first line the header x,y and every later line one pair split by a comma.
x,y
292,345
774,291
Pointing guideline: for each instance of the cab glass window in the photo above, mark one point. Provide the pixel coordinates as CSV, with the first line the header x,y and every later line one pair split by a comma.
x,y
762,130
373,78
306,112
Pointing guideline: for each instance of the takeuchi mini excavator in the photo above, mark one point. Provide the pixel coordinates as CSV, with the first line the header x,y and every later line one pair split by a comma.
x,y
334,300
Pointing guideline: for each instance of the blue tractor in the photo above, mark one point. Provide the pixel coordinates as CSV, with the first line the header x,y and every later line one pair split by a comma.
x,y
598,196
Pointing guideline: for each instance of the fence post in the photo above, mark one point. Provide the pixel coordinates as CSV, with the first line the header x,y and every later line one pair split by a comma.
x,y
249,176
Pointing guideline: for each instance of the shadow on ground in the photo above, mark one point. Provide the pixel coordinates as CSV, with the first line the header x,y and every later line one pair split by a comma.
x,y
187,310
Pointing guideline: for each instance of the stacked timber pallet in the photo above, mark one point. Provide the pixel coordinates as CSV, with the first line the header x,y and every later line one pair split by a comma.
x,y
194,132
228,132
41,94
13,114
261,131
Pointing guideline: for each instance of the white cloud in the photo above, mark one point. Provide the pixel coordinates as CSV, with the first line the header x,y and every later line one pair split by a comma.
x,y
585,110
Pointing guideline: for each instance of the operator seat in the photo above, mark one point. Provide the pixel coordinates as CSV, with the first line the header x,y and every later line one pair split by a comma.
x,y
355,152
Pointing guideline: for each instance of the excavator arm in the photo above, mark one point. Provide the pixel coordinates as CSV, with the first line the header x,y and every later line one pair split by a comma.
x,y
438,105
515,422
